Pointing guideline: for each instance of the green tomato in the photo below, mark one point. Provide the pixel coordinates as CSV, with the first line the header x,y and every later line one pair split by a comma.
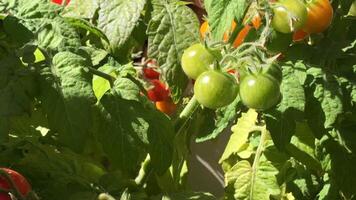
x,y
289,15
214,89
196,59
260,91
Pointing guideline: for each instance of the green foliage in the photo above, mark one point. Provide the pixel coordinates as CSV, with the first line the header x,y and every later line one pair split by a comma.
x,y
172,29
75,119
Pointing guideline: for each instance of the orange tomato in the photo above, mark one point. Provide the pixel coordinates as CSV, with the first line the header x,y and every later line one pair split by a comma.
x,y
320,15
167,107
299,35
255,23
204,28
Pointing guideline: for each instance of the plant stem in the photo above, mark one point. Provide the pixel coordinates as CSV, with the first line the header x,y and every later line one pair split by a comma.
x,y
186,114
256,160
108,77
144,171
14,190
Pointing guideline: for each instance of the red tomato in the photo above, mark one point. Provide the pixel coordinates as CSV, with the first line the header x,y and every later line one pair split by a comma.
x,y
167,107
21,183
299,35
320,15
159,92
150,73
60,2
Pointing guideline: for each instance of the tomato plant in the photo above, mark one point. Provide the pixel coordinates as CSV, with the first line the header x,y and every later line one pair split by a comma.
x,y
98,101
289,15
19,181
214,89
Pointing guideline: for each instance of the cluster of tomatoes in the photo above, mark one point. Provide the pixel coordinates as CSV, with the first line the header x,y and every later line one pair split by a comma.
x,y
20,182
260,90
158,92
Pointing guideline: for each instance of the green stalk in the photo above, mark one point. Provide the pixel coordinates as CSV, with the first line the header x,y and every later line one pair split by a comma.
x,y
145,170
186,114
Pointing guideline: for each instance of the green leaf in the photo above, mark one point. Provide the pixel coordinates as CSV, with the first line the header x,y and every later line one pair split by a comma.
x,y
241,131
81,23
172,29
101,85
254,183
223,118
329,96
17,87
16,31
58,35
67,98
117,19
129,129
188,196
81,8
281,121
221,14
302,147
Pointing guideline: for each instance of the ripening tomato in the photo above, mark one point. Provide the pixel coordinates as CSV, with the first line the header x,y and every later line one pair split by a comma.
x,y
320,15
159,92
289,15
259,91
168,106
150,73
21,183
196,59
60,2
299,35
241,36
214,89
204,29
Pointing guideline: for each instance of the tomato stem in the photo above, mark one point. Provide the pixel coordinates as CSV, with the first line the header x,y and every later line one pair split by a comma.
x,y
14,189
144,171
186,114
108,77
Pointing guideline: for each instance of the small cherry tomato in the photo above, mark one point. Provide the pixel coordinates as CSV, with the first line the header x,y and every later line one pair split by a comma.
x,y
289,15
60,2
150,73
214,89
299,35
196,59
167,106
159,91
259,91
320,15
20,181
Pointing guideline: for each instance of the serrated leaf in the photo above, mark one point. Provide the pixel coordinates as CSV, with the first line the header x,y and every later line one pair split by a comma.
x,y
245,125
81,23
302,147
254,183
223,118
101,85
17,87
58,35
222,13
67,98
281,121
330,98
117,19
81,8
129,129
172,29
